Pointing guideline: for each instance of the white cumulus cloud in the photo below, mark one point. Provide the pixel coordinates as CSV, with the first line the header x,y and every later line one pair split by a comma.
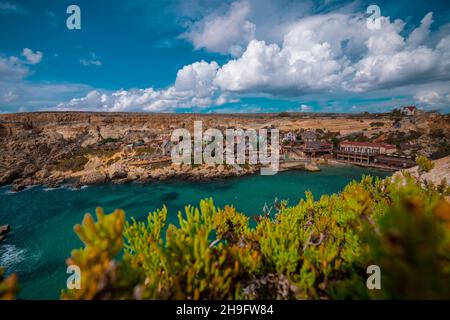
x,y
193,88
32,57
419,35
93,60
437,97
8,7
228,33
326,55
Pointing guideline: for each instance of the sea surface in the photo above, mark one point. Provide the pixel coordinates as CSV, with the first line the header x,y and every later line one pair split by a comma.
x,y
42,219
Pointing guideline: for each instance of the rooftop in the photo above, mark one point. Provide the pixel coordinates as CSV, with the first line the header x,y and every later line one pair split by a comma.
x,y
369,144
309,135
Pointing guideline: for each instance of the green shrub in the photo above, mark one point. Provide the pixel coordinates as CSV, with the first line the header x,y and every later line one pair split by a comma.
x,y
107,140
73,164
112,161
437,133
317,249
400,137
98,152
442,151
425,165
102,276
141,150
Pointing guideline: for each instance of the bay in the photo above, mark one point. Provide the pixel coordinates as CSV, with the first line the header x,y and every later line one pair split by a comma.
x,y
42,220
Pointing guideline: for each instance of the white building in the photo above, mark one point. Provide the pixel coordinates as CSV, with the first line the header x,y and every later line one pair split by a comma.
x,y
409,111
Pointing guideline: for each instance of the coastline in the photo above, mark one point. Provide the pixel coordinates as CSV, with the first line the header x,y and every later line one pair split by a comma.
x,y
171,173
77,149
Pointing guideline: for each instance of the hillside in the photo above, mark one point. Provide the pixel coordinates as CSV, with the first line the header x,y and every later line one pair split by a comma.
x,y
52,148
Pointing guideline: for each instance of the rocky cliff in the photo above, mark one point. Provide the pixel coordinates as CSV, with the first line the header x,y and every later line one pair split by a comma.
x,y
83,148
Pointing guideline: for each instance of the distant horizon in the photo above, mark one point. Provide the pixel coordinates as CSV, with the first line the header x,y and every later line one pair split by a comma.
x,y
217,113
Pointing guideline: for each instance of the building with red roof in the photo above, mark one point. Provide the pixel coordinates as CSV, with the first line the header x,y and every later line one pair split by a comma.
x,y
363,152
409,110
367,147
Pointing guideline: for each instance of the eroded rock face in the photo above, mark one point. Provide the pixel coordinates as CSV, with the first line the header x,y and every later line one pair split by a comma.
x,y
42,174
3,231
29,170
117,171
19,186
93,177
312,167
9,176
439,174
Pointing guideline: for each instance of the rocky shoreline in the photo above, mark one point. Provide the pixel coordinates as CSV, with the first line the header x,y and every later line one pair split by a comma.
x,y
120,175
202,173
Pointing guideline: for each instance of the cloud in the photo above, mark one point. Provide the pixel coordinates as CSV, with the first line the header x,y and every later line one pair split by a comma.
x,y
14,69
320,58
32,57
30,96
310,58
436,97
11,8
52,17
419,35
391,61
269,17
305,108
318,54
331,55
193,89
228,33
16,93
93,60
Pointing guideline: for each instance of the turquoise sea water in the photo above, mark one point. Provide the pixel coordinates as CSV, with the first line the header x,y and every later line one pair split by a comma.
x,y
42,220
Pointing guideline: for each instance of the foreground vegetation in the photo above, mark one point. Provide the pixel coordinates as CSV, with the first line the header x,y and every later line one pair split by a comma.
x,y
317,249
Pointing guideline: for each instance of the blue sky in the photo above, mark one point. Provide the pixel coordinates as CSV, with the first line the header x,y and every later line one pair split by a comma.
x,y
224,56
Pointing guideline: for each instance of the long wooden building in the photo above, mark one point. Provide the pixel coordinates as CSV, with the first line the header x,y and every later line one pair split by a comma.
x,y
362,152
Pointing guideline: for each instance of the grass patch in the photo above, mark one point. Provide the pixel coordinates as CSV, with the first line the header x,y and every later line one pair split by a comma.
x,y
141,150
73,164
112,161
107,140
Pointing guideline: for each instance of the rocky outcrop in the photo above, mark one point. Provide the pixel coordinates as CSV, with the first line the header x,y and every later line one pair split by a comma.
x,y
3,231
29,170
19,186
312,167
117,171
440,172
93,177
9,176
42,174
